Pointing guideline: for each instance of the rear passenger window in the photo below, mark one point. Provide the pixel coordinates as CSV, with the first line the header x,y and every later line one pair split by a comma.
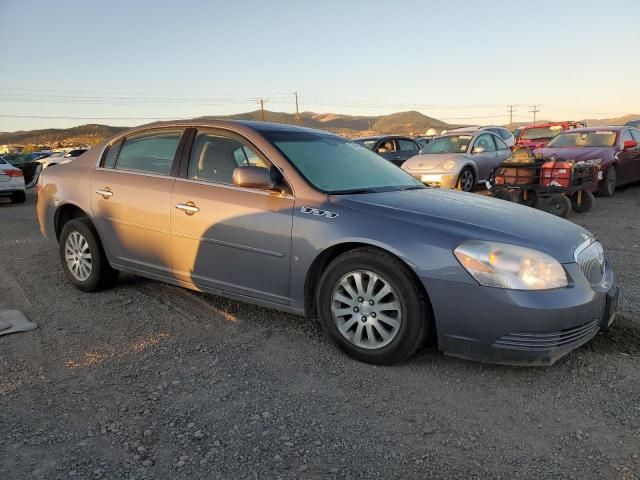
x,y
214,157
111,155
149,152
636,135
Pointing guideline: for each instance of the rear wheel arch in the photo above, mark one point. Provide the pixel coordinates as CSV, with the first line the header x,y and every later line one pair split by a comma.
x,y
323,260
64,214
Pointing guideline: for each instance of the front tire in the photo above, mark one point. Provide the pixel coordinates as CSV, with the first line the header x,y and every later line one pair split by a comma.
x,y
83,259
610,182
372,307
466,180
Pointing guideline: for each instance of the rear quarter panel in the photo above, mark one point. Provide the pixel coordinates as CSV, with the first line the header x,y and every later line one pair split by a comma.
x,y
65,183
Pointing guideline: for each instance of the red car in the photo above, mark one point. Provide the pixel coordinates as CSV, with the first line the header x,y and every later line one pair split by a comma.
x,y
537,136
616,147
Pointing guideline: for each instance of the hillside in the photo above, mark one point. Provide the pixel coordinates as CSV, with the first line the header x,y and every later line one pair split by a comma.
x,y
63,137
406,123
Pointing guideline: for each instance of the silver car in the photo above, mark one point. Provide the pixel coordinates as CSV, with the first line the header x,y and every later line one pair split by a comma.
x,y
460,159
310,223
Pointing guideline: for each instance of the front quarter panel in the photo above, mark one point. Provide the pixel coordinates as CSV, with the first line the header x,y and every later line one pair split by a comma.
x,y
322,225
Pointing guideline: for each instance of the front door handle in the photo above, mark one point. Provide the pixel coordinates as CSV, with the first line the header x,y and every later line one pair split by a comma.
x,y
105,192
189,208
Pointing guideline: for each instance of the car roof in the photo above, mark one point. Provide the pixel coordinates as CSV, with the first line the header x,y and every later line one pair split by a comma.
x,y
379,137
613,128
213,123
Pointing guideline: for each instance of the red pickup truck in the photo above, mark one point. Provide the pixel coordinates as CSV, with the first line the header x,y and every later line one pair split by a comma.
x,y
537,136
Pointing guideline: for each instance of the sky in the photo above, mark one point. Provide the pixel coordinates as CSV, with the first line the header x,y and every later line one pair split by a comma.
x,y
117,62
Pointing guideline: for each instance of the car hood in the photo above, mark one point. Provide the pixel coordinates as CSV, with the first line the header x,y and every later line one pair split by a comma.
x,y
452,217
430,161
577,153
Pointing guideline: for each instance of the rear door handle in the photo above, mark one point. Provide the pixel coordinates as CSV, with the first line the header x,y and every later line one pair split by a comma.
x,y
105,192
189,208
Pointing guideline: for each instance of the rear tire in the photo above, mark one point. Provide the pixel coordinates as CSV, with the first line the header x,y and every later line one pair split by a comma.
x,y
83,259
586,202
368,324
610,182
19,197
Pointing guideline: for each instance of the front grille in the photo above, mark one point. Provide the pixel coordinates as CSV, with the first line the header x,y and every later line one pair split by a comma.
x,y
591,261
547,341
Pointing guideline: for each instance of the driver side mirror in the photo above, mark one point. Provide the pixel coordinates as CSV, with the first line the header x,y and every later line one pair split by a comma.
x,y
253,177
477,149
629,144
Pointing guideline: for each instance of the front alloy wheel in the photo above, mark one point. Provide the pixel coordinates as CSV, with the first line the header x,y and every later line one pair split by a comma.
x,y
466,180
372,306
366,309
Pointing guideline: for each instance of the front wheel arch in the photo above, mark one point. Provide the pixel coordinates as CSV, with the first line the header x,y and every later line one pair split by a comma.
x,y
323,260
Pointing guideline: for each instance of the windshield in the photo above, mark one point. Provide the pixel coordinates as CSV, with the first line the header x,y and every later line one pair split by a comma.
x,y
541,132
335,165
367,143
449,144
600,138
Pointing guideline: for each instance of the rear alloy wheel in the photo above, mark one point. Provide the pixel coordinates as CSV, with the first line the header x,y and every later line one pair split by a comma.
x,y
610,182
371,307
83,258
19,197
466,180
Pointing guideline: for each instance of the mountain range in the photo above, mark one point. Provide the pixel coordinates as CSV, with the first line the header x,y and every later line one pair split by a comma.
x,y
405,123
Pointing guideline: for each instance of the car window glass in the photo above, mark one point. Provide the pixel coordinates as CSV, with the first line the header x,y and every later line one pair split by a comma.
x,y
636,135
150,152
500,144
111,155
625,137
386,146
485,141
214,157
407,145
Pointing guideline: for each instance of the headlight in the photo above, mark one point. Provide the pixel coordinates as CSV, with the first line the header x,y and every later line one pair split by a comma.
x,y
502,265
448,165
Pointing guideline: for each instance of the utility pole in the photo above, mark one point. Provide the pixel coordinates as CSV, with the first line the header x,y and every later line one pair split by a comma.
x,y
262,101
510,107
534,110
297,111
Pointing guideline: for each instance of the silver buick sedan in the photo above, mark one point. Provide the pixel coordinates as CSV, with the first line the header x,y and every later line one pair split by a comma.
x,y
307,222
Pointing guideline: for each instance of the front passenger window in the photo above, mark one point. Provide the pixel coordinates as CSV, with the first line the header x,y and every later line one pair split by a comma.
x,y
485,143
214,158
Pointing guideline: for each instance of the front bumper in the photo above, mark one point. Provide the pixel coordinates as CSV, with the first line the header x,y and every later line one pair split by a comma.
x,y
436,179
520,327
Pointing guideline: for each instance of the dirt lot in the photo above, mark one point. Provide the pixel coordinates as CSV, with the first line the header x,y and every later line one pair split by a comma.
x,y
151,381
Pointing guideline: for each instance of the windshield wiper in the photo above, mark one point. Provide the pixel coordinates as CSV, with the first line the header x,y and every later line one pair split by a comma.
x,y
355,191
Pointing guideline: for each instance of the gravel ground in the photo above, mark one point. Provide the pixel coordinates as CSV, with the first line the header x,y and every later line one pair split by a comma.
x,y
150,381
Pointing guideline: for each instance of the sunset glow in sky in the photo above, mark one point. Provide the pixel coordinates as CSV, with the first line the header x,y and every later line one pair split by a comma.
x,y
125,63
